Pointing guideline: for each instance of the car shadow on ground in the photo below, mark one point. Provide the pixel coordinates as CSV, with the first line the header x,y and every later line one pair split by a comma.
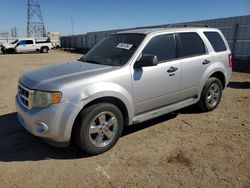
x,y
17,144
239,85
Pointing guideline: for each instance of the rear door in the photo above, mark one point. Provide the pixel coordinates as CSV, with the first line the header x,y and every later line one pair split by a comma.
x,y
195,59
221,52
159,85
30,46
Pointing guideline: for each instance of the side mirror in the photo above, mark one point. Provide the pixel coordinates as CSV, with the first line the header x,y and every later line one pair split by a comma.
x,y
146,60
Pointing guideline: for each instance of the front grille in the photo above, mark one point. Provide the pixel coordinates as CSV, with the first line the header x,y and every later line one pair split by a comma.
x,y
25,96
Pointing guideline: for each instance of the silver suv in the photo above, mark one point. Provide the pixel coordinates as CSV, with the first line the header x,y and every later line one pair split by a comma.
x,y
127,78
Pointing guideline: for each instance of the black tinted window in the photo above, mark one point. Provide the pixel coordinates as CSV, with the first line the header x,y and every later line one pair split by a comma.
x,y
29,41
162,46
191,44
22,42
216,41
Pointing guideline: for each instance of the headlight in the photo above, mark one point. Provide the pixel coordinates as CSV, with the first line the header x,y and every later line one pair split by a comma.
x,y
43,99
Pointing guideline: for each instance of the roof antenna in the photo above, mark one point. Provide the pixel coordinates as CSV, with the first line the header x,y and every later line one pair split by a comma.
x,y
72,25
73,30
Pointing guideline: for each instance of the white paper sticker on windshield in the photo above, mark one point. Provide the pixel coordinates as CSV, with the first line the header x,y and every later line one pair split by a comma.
x,y
124,46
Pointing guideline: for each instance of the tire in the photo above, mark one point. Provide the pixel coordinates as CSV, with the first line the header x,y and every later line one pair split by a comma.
x,y
211,95
98,128
44,50
10,51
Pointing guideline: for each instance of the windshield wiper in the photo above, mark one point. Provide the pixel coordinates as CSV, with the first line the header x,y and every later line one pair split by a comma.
x,y
91,61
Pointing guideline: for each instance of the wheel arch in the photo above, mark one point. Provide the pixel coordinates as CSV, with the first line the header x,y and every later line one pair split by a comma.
x,y
220,75
108,99
113,100
211,73
42,47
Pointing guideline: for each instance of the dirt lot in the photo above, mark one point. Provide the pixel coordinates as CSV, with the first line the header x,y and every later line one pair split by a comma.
x,y
183,149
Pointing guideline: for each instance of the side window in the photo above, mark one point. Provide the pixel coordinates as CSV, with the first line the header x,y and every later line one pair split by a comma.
x,y
22,42
216,41
29,41
162,46
191,44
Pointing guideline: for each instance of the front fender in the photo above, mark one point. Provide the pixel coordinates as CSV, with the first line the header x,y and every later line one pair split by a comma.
x,y
93,91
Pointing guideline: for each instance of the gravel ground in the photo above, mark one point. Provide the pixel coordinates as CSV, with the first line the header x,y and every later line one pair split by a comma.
x,y
182,149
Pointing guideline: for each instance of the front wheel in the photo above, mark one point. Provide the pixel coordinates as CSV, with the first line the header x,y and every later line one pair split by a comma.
x,y
211,95
99,128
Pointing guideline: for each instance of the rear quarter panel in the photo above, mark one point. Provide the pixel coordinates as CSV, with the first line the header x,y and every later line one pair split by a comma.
x,y
219,63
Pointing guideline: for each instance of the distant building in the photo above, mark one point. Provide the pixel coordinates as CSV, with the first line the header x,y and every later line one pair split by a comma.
x,y
54,38
55,35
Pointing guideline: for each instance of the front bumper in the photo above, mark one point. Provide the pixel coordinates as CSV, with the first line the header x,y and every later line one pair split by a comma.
x,y
53,123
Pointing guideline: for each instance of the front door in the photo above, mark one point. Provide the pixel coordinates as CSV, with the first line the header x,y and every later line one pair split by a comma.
x,y
25,46
159,85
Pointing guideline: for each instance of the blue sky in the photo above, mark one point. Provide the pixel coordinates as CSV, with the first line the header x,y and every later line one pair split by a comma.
x,y
94,15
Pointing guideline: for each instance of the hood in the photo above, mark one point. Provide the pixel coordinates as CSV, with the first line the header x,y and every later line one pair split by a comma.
x,y
53,77
7,45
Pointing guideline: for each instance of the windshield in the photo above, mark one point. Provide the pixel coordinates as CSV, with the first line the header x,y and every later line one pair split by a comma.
x,y
14,42
114,50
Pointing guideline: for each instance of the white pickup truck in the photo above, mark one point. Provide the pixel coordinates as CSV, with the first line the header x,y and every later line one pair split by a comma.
x,y
26,45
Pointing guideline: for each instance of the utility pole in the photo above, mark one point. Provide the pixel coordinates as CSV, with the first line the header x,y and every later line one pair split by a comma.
x,y
72,25
35,24
14,32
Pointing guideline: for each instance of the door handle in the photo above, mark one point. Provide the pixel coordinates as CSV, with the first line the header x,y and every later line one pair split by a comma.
x,y
172,69
205,62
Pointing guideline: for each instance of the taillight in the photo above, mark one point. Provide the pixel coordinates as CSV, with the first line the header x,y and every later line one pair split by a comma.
x,y
230,61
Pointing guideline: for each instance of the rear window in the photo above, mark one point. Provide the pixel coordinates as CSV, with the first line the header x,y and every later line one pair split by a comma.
x,y
191,44
216,41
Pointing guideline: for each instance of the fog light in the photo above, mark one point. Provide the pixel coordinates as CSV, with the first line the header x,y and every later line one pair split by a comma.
x,y
41,127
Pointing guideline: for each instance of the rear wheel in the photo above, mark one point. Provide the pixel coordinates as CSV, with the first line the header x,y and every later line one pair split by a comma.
x,y
99,128
211,95
44,49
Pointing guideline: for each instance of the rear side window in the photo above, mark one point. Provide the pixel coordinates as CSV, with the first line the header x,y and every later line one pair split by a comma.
x,y
191,44
29,41
216,41
162,46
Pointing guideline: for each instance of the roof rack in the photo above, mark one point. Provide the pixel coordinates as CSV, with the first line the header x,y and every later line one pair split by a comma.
x,y
186,25
171,26
147,27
